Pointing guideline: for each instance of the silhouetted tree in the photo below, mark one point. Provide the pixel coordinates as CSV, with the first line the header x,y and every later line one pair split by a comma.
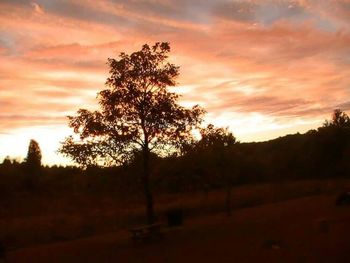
x,y
339,119
215,138
335,138
33,159
6,162
138,114
217,144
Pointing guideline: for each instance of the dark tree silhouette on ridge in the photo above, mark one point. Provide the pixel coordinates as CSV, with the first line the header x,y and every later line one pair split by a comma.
x,y
33,159
215,149
339,120
138,114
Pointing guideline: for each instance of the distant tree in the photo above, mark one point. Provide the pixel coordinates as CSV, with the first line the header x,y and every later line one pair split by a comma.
x,y
215,138
339,120
138,115
33,159
216,144
7,161
335,139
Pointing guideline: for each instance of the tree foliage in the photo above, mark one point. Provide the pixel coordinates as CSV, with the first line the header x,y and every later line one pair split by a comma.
x,y
211,156
216,147
137,114
33,159
216,154
339,120
217,138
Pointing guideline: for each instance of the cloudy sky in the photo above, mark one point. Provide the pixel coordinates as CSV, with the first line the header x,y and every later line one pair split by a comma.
x,y
263,68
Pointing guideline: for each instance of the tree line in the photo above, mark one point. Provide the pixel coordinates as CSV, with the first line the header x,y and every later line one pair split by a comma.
x,y
141,130
217,161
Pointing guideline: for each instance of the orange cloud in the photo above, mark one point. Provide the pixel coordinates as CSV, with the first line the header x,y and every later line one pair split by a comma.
x,y
38,9
282,63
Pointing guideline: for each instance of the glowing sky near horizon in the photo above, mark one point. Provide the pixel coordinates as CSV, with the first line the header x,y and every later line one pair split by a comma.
x,y
263,68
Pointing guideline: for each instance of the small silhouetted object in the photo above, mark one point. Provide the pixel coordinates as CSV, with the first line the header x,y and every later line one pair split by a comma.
x,y
174,217
147,233
343,198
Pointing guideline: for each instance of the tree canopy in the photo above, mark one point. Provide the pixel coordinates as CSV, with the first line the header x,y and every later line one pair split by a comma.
x,y
212,136
33,159
137,112
339,120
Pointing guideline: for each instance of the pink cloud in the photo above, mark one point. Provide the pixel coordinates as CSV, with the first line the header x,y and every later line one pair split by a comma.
x,y
38,9
278,59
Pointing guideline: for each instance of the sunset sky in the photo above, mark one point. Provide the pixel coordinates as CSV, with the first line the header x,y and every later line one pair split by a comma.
x,y
263,68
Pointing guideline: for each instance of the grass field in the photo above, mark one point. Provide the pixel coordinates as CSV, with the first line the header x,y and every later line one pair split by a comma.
x,y
28,219
309,229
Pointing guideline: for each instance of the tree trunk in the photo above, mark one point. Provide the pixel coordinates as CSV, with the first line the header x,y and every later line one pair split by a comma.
x,y
228,200
147,188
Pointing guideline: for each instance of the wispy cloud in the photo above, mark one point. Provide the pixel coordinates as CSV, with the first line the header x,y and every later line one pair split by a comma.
x,y
286,61
37,8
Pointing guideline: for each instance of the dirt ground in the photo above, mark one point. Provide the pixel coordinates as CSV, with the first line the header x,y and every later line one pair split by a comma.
x,y
310,229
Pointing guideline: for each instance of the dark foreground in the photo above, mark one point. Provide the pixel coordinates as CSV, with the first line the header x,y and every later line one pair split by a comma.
x,y
311,229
